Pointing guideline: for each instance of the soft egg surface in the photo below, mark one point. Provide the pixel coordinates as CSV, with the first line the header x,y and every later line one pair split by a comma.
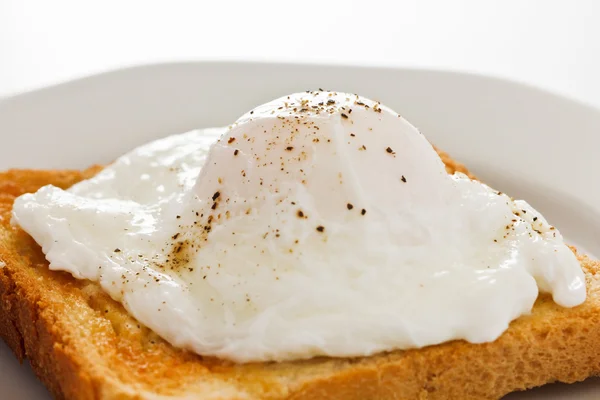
x,y
318,224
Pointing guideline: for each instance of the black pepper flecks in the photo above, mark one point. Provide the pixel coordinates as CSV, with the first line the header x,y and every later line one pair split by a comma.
x,y
291,117
403,179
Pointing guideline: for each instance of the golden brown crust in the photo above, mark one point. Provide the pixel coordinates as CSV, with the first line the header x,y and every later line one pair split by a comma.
x,y
83,345
452,165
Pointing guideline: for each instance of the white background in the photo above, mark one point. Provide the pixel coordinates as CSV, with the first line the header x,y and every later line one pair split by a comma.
x,y
553,44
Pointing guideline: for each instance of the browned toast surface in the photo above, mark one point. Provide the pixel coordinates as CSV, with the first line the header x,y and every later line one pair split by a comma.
x,y
83,345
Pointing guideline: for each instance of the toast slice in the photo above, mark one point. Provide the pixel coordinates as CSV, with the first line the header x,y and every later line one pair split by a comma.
x,y
83,345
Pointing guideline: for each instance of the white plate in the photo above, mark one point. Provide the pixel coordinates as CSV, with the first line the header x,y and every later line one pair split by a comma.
x,y
522,141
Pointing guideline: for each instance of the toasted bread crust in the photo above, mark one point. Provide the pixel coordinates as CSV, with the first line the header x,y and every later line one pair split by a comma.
x,y
83,345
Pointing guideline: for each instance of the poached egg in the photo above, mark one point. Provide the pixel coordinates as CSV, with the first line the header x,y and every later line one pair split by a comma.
x,y
320,223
